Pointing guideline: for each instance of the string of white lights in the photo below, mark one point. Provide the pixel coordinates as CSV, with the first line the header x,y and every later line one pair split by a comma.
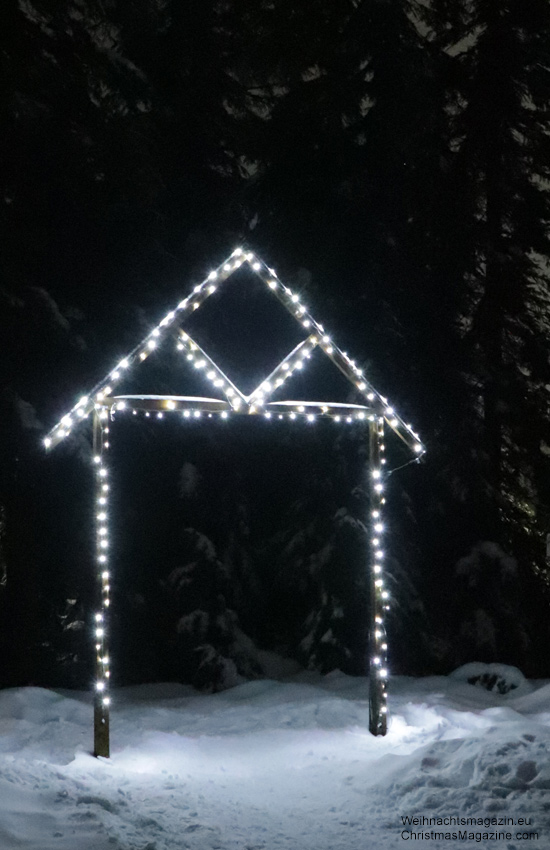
x,y
380,604
201,292
295,361
101,624
291,301
193,407
200,360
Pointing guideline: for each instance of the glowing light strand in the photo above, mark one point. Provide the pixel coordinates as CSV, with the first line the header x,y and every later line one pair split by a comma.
x,y
200,360
378,671
102,699
193,407
291,363
289,299
143,349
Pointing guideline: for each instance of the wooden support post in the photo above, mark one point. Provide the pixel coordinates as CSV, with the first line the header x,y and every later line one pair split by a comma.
x,y
378,673
100,626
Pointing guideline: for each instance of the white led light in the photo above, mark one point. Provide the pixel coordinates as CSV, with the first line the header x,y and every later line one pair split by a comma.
x,y
186,414
224,414
151,344
376,473
100,686
105,574
106,701
272,284
99,632
379,527
115,376
171,405
383,674
256,267
378,487
83,400
295,298
417,447
103,472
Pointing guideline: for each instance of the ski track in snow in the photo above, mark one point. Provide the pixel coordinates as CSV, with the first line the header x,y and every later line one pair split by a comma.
x,y
271,766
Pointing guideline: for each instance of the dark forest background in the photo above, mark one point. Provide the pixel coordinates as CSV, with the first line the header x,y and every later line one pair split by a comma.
x,y
391,159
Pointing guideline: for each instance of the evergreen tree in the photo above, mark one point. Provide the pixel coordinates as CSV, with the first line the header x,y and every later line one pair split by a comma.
x,y
500,129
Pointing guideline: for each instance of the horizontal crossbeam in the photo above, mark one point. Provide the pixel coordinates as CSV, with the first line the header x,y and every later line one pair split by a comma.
x,y
197,405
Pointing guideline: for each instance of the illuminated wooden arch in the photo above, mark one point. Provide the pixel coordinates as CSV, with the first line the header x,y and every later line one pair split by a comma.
x,y
101,402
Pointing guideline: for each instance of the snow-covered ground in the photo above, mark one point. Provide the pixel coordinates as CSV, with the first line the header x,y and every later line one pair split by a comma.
x,y
269,764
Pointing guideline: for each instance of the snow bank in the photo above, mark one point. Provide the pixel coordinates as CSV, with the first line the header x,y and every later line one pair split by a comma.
x,y
500,678
276,765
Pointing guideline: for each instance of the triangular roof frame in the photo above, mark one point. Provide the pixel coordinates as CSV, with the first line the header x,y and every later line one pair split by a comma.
x,y
100,397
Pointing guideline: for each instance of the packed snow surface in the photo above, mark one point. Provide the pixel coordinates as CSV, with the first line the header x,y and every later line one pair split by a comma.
x,y
277,764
